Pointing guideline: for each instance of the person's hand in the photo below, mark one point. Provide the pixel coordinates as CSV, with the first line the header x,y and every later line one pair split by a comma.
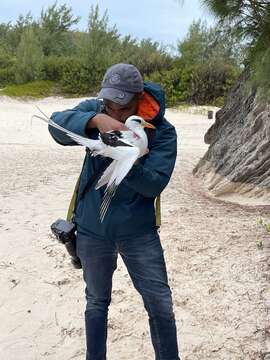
x,y
105,123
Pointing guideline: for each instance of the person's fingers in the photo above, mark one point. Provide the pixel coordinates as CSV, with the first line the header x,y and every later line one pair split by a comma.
x,y
123,127
106,123
115,125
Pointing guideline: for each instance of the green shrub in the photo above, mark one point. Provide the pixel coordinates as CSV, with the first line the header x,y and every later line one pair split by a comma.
x,y
7,76
211,81
53,68
6,68
175,83
75,77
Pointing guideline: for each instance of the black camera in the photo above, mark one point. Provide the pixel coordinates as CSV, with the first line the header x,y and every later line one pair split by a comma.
x,y
65,232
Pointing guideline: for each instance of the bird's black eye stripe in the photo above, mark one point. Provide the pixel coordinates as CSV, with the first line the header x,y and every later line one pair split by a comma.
x,y
137,120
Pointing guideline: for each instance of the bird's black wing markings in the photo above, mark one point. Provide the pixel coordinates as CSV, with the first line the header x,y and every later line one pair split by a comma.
x,y
112,140
117,133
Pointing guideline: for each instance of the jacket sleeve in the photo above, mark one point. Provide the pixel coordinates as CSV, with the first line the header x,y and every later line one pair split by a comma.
x,y
75,120
150,179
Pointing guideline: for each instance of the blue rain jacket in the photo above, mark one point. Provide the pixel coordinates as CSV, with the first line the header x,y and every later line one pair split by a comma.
x,y
132,210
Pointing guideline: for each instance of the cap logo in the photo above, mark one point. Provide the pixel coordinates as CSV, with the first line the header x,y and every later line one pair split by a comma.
x,y
121,95
115,79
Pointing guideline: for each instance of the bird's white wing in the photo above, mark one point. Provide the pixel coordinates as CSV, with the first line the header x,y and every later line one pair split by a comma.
x,y
106,175
109,175
121,169
129,156
97,146
115,153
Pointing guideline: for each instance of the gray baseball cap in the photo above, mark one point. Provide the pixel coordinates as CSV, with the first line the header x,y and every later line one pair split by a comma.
x,y
120,83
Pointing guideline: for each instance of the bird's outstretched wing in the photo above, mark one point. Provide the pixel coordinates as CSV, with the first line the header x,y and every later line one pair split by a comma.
x,y
119,169
106,175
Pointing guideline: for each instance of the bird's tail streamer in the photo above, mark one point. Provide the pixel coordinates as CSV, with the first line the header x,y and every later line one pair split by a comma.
x,y
92,144
107,198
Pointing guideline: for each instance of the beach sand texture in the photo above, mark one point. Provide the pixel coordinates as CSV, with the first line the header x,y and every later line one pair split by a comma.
x,y
217,255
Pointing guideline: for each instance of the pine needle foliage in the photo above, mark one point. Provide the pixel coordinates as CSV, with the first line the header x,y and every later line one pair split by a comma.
x,y
249,21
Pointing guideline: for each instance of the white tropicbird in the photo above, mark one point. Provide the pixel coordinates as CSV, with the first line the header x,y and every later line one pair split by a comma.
x,y
124,147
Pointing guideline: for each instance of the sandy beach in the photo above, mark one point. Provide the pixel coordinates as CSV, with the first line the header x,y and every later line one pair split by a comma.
x,y
217,255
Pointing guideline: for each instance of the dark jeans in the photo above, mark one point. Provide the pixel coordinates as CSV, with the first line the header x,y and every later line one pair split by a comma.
x,y
143,257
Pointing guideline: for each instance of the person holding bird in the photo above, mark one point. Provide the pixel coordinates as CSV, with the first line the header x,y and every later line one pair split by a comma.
x,y
139,169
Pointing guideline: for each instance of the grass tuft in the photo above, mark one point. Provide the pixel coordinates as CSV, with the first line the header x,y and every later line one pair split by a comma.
x,y
34,89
